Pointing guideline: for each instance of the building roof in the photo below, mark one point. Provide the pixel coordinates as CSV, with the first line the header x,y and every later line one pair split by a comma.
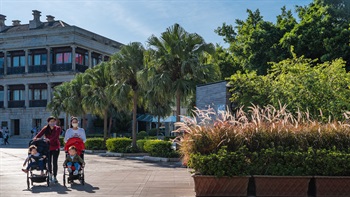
x,y
44,25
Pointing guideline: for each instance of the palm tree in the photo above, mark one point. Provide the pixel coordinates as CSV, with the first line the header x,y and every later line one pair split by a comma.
x,y
126,67
76,96
60,100
178,57
99,92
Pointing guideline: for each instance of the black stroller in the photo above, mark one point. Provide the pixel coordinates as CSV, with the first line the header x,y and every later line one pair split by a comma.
x,y
79,144
32,174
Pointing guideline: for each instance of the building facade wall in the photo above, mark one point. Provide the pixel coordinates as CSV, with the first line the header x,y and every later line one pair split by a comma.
x,y
50,38
213,95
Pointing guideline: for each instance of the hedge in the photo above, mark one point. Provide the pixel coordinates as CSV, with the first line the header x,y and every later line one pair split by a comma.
x,y
62,141
95,144
159,148
120,145
140,145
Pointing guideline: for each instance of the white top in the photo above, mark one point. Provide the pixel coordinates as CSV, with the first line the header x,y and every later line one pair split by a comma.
x,y
80,132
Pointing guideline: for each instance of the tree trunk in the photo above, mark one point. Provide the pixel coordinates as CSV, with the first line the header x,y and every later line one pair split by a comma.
x,y
67,125
134,111
110,126
84,122
105,124
178,105
158,123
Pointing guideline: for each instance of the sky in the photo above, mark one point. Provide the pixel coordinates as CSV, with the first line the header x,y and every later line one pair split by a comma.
x,y
128,21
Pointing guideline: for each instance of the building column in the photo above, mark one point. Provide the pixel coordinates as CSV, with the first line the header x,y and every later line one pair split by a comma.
x,y
26,60
26,95
6,96
48,59
89,60
73,58
49,92
5,63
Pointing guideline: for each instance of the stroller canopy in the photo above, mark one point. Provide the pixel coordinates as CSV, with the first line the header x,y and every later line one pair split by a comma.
x,y
77,142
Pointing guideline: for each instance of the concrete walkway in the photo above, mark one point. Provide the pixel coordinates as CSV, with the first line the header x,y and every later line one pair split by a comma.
x,y
104,176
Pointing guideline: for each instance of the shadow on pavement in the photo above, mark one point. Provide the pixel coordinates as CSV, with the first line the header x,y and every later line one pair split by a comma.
x,y
86,187
58,188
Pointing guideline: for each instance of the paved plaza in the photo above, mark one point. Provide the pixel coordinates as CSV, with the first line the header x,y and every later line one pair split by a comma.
x,y
104,176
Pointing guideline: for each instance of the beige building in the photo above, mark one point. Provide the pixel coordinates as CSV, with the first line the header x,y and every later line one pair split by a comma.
x,y
36,57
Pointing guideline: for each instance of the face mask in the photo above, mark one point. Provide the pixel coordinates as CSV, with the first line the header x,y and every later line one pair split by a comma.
x,y
75,125
52,124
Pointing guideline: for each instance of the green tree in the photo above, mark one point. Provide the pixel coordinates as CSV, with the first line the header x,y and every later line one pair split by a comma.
x,y
323,31
99,92
179,57
254,42
126,67
301,83
76,96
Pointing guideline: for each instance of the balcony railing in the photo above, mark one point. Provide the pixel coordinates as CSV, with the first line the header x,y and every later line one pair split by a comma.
x,y
37,69
37,103
61,67
81,68
1,104
16,104
15,70
2,70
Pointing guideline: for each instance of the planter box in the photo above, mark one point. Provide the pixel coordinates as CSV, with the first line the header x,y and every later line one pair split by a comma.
x,y
332,186
223,186
282,186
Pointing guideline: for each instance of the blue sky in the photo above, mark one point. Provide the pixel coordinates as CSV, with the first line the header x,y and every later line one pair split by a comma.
x,y
136,20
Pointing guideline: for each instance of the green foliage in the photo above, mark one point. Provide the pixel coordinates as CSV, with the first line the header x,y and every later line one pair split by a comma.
x,y
120,145
152,132
322,89
94,135
141,144
223,163
95,144
142,134
62,141
159,148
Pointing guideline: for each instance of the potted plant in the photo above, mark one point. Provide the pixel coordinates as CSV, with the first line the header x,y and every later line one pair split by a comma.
x,y
221,174
332,169
280,172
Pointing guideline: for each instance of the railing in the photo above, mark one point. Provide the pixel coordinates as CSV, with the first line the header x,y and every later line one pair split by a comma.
x,y
16,104
1,104
37,69
2,70
61,67
37,103
81,68
15,70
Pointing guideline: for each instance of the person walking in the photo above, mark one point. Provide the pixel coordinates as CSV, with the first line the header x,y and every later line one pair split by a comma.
x,y
74,130
6,138
51,133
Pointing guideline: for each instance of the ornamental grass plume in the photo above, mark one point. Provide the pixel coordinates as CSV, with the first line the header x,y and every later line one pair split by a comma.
x,y
259,128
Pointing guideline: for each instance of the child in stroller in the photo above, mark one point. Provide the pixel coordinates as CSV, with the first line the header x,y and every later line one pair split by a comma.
x,y
37,160
74,163
34,159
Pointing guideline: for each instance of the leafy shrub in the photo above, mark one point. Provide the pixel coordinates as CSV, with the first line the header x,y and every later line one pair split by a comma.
x,y
169,138
140,145
142,135
62,141
152,132
259,129
118,144
159,148
94,135
222,163
95,144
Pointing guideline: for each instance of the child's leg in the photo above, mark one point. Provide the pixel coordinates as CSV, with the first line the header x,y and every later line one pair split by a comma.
x,y
77,166
41,165
69,166
31,164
